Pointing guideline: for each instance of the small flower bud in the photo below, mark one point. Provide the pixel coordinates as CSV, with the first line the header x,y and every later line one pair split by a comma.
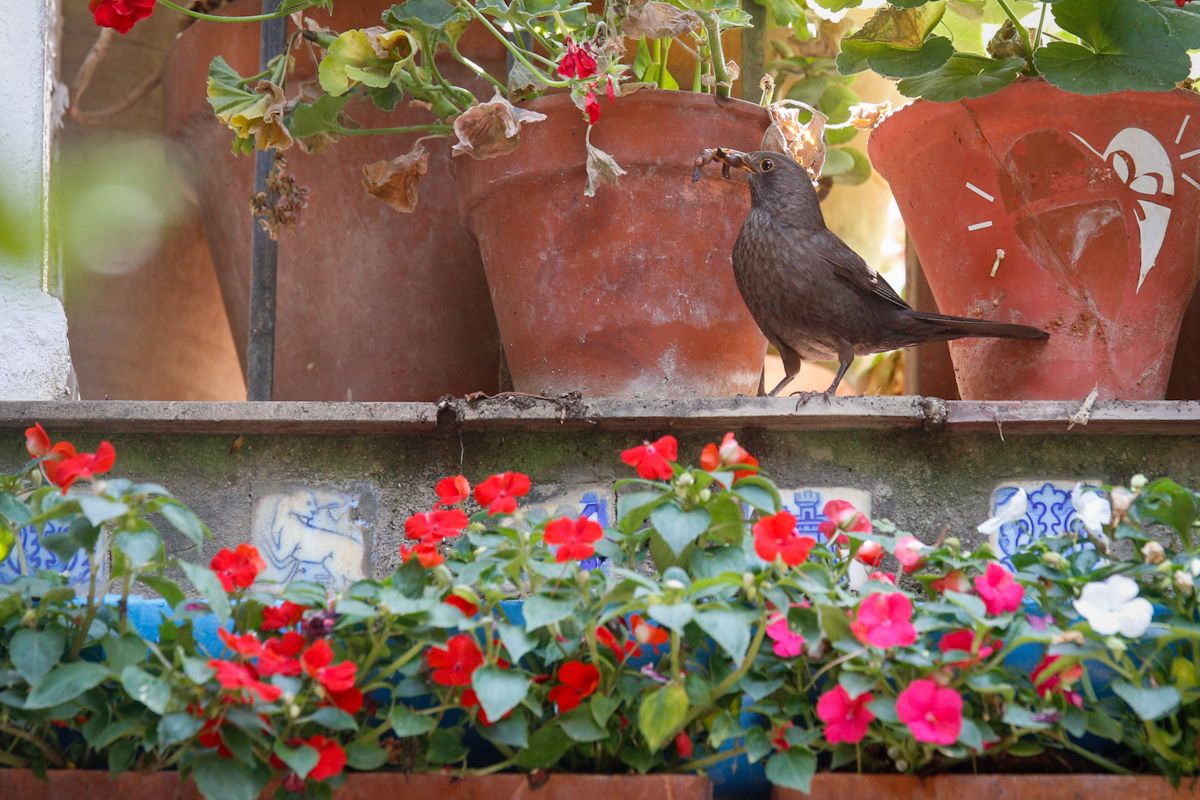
x,y
705,495
901,765
952,543
674,584
99,488
1138,482
1122,499
1054,560
685,480
1153,553
1184,582
1116,644
893,752
294,710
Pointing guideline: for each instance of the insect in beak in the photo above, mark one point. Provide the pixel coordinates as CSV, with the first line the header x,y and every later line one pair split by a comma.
x,y
729,159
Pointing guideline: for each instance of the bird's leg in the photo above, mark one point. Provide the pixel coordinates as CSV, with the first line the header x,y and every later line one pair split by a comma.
x,y
791,367
762,382
844,360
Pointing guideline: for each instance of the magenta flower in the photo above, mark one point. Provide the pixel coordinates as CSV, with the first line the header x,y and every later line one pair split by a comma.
x,y
1000,592
845,720
885,620
787,643
933,713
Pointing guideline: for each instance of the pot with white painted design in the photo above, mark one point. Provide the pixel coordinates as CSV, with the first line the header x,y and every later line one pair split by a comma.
x,y
1076,214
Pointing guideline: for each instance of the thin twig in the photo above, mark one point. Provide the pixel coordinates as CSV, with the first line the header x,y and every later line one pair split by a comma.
x,y
87,71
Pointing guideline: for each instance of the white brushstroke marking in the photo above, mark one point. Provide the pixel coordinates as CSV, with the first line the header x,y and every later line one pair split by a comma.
x,y
1189,154
1088,146
1182,128
979,226
980,192
1189,179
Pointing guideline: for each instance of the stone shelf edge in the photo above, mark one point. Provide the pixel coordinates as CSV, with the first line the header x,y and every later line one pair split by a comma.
x,y
521,412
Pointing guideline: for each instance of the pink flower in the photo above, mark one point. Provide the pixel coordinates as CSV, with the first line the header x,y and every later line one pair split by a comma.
x,y
885,620
870,553
999,591
842,516
845,720
883,577
908,553
653,461
787,643
933,713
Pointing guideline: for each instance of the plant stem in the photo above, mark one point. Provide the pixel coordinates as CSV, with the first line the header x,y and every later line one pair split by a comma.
x,y
440,129
517,53
187,12
709,760
1022,31
478,70
713,29
52,755
503,765
1093,757
732,678
1037,37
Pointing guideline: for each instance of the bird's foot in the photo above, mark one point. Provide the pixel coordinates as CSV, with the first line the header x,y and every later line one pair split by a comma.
x,y
805,397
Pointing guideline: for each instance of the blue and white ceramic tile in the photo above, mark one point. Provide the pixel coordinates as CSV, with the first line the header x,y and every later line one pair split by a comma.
x,y
807,505
37,557
593,502
310,535
1050,513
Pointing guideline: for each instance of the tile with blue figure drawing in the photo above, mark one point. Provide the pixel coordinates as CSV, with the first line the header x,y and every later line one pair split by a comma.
x,y
31,556
316,535
1048,512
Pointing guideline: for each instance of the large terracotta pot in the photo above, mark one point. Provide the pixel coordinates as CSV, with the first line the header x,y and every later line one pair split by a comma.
x,y
1098,215
22,784
630,292
372,304
838,786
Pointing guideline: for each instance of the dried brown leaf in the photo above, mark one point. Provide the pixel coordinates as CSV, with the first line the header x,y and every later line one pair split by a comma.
x,y
656,20
601,168
487,130
804,142
395,182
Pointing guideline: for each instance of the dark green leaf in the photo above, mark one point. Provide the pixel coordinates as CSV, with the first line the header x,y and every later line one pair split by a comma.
x,y
679,528
427,14
446,747
140,547
792,769
14,510
405,722
167,589
176,728
511,732
729,629
154,693
209,586
365,756
499,690
546,746
300,759
184,521
675,616
99,510
579,725
1184,23
34,653
856,683
226,779
1148,704
542,611
333,719
515,640
66,682
963,76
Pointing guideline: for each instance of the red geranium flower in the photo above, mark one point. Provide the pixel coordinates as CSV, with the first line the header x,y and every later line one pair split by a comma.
x,y
776,536
333,677
468,608
841,516
573,537
452,491
120,15
933,713
287,615
331,760
576,682
433,526
885,620
499,493
845,720
278,656
621,650
592,106
728,454
350,701
83,465
963,641
231,675
245,645
238,567
577,62
647,634
453,664
1000,592
1059,682
653,461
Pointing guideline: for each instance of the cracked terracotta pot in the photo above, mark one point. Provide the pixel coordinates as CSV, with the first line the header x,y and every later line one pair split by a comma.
x,y
373,304
1096,208
630,292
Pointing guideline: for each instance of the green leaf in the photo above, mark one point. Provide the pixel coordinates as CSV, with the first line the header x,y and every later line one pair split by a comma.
x,y
14,510
834,623
299,760
167,589
226,779
1148,704
758,745
1124,45
759,492
183,520
117,730
897,43
64,683
884,708
856,683
511,732
321,116
34,653
333,719
99,510
405,722
209,585
969,603
197,670
365,756
8,541
963,76
176,728
729,629
1166,502
446,746
515,640
602,707
546,746
970,735
679,528
499,690
792,769
580,726
427,14
1184,23
542,611
675,616
661,715
154,693
140,547
1021,717
1105,726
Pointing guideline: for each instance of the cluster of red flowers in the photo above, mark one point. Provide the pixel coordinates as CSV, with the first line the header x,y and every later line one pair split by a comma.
x,y
497,495
579,63
61,463
120,15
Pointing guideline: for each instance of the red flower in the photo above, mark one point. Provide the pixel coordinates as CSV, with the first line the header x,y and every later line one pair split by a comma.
x,y
471,700
845,720
933,713
775,536
350,701
573,537
779,738
647,634
885,620
883,577
278,656
331,760
870,553
841,516
592,106
37,441
1000,592
453,664
242,676
610,91
210,736
426,552
963,641
468,608
622,651
953,582
333,677
245,645
452,491
82,465
499,493
653,461
577,62
683,745
729,454
120,15
576,682
1059,682
238,567
433,526
287,615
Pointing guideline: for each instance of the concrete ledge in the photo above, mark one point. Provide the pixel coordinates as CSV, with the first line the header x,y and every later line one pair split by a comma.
x,y
528,413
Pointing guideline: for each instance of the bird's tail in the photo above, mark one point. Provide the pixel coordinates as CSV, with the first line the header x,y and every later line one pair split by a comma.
x,y
958,327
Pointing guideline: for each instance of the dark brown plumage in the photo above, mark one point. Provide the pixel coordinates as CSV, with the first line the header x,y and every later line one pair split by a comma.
x,y
813,297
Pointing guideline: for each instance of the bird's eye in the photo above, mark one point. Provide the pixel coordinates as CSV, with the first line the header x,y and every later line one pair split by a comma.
x,y
766,165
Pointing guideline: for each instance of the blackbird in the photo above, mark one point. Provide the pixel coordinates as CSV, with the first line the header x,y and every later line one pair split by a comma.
x,y
813,297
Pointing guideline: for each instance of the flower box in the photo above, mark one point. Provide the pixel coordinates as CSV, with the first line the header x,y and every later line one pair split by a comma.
x,y
835,786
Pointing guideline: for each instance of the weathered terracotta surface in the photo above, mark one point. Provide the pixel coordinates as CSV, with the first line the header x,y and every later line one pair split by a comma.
x,y
372,304
630,292
833,786
20,784
1089,197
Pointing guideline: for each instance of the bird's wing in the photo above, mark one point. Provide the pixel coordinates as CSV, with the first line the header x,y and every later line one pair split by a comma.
x,y
849,266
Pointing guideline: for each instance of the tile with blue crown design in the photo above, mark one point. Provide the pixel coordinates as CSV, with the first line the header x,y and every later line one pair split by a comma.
x,y
1047,511
807,505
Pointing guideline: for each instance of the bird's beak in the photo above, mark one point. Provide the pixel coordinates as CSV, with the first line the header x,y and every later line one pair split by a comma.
x,y
735,158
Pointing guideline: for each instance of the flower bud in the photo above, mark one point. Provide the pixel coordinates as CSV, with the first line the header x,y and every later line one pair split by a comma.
x,y
99,488
893,752
1054,560
685,480
294,710
1153,553
674,584
952,543
1116,644
1122,499
901,765
1138,482
1184,582
705,495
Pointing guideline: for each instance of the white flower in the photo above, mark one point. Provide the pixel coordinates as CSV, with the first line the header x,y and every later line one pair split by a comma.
x,y
1113,605
1013,509
1184,582
1153,553
1122,499
1092,509
1138,482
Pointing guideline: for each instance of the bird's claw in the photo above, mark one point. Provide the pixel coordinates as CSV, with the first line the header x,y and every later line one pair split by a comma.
x,y
728,158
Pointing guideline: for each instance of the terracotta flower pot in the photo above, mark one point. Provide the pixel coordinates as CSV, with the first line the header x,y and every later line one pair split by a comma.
x,y
1097,212
630,292
836,786
22,784
372,304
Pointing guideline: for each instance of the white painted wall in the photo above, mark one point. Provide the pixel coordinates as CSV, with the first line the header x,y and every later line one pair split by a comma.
x,y
35,363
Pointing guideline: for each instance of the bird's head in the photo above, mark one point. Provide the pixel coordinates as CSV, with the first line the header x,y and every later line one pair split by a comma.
x,y
776,180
